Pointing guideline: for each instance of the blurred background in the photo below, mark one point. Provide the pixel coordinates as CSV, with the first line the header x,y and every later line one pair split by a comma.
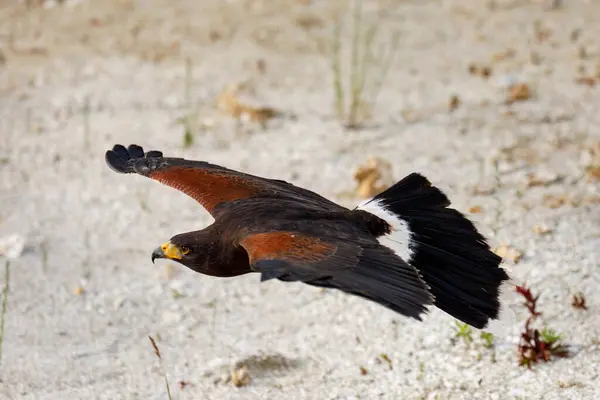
x,y
496,102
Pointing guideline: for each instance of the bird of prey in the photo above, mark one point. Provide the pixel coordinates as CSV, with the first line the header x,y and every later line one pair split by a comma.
x,y
404,249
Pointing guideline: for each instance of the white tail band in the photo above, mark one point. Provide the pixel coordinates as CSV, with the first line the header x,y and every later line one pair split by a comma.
x,y
399,240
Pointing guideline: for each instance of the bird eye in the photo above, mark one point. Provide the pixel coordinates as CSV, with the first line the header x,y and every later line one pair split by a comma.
x,y
185,250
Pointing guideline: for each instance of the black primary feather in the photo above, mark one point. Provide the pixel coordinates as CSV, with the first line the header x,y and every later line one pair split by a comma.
x,y
133,159
452,257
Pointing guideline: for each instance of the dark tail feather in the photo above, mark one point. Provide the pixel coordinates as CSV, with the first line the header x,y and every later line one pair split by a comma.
x,y
445,247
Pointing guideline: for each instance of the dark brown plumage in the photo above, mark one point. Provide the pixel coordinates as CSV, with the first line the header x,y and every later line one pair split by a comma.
x,y
404,249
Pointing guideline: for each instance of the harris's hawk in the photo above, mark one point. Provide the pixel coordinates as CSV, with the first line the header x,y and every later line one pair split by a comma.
x,y
404,249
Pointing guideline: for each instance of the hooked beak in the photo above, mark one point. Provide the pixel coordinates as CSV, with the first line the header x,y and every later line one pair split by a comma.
x,y
167,250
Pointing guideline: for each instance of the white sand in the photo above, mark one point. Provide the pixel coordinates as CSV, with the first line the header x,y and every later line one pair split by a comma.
x,y
98,228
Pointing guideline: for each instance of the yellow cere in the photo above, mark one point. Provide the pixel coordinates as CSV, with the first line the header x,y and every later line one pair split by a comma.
x,y
171,251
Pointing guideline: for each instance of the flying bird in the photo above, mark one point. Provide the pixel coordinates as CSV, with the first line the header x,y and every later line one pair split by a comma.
x,y
404,249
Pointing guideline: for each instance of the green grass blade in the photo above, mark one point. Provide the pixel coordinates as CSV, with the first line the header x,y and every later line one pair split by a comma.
x,y
385,67
4,304
336,67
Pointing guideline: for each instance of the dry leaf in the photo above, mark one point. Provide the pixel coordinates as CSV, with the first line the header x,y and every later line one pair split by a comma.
x,y
475,210
518,92
594,151
578,301
363,370
479,70
483,190
570,384
261,66
593,173
454,103
372,178
183,384
575,34
156,350
592,169
240,376
214,35
553,201
586,80
509,253
541,230
509,53
541,33
533,180
78,290
590,200
229,102
309,21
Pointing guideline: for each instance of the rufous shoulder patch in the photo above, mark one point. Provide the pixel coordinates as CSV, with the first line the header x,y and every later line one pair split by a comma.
x,y
285,245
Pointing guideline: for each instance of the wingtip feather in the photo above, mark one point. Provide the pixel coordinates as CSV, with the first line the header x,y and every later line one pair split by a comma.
x,y
116,162
123,159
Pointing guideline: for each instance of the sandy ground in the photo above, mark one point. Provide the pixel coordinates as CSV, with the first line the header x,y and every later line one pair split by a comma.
x,y
84,296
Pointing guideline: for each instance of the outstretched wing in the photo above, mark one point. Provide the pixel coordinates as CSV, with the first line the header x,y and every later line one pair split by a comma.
x,y
211,185
363,269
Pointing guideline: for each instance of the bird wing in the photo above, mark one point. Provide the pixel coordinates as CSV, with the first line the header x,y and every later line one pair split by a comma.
x,y
211,185
365,269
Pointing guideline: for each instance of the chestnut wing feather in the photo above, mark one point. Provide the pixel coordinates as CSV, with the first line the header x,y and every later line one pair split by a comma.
x,y
209,184
356,267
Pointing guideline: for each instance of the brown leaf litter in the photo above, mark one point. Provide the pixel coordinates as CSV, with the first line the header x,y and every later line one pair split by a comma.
x,y
586,80
555,201
519,92
509,253
229,102
453,103
592,169
373,177
578,301
240,376
475,210
255,367
558,200
480,70
541,230
504,55
78,290
534,180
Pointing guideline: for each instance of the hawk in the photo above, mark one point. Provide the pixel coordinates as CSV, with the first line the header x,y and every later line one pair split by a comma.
x,y
404,249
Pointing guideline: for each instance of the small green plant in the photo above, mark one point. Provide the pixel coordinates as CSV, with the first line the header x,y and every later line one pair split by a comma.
x,y
189,118
368,69
463,331
488,339
536,346
4,304
421,372
176,294
550,336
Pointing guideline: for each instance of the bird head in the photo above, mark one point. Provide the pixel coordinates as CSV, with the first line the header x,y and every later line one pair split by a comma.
x,y
201,251
183,249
